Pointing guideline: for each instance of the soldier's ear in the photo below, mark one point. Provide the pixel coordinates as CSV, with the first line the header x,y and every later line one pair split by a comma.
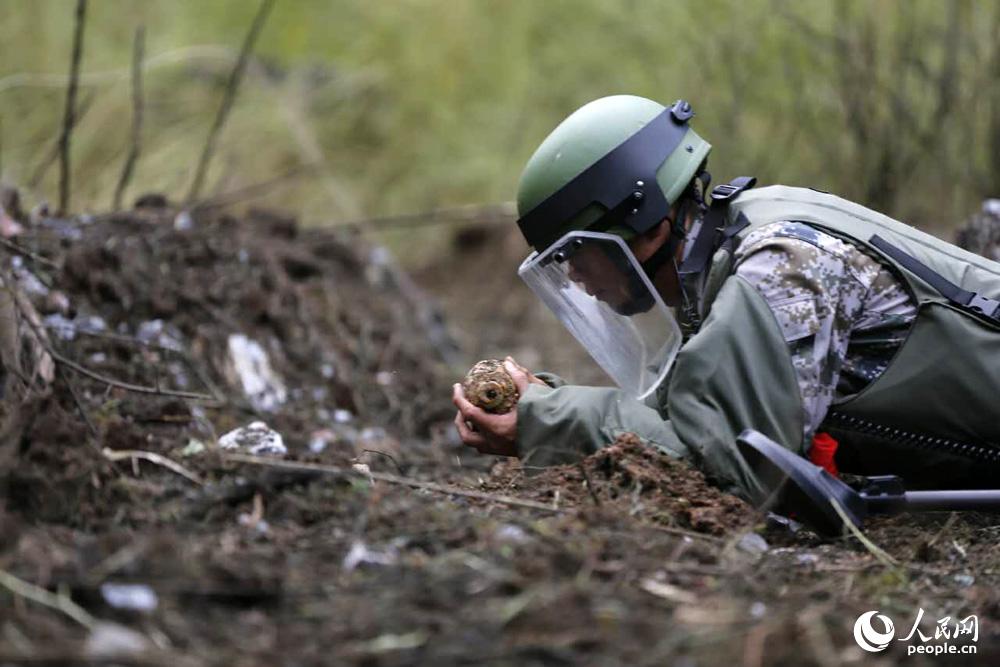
x,y
659,233
644,245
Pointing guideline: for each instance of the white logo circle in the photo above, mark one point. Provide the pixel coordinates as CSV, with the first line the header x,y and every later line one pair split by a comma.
x,y
868,637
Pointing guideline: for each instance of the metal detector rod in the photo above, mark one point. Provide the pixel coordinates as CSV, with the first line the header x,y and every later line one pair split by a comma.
x,y
984,500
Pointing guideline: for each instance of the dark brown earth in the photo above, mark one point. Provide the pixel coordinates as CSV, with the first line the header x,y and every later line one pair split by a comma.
x,y
636,480
628,558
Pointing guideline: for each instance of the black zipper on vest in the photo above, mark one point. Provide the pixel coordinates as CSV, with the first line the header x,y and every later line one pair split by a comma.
x,y
966,450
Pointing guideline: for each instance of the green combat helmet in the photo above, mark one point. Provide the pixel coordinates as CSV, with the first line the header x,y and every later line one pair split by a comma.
x,y
615,165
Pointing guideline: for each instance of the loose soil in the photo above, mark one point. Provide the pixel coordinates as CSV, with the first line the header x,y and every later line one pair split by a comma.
x,y
629,557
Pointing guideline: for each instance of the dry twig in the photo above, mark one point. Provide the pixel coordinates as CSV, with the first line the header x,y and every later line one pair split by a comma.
x,y
433,487
391,479
254,190
228,98
127,386
69,116
138,50
873,548
586,482
53,153
79,404
152,457
15,248
57,601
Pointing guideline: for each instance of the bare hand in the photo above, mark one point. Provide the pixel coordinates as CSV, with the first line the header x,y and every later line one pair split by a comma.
x,y
491,433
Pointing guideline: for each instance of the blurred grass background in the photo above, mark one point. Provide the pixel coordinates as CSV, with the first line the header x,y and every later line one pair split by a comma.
x,y
410,105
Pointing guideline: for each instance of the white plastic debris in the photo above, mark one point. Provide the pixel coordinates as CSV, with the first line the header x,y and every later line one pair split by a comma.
x,y
261,526
377,270
510,532
364,470
806,559
372,435
260,382
193,448
384,378
342,416
320,440
158,332
130,597
66,329
26,280
255,438
61,326
991,207
110,640
183,221
669,592
964,580
359,554
91,324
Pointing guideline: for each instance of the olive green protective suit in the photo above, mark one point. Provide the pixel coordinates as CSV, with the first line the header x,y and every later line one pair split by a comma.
x,y
736,373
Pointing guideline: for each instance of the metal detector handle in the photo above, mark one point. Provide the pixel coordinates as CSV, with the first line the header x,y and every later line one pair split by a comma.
x,y
885,494
983,500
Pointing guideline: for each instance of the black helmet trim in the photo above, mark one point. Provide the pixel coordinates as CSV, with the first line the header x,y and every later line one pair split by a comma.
x,y
623,182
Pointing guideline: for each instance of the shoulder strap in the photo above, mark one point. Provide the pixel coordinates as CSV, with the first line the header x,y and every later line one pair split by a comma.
x,y
707,238
962,297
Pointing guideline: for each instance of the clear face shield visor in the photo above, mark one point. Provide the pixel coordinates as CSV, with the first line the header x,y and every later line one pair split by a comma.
x,y
596,287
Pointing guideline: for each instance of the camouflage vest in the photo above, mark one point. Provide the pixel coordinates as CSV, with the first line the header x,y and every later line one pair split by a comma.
x,y
941,392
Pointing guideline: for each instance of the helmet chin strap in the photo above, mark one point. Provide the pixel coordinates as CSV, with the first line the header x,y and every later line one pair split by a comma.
x,y
667,252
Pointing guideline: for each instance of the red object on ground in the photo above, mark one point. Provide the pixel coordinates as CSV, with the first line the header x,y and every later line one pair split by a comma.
x,y
823,450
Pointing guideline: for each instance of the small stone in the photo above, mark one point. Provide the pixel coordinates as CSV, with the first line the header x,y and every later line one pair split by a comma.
x,y
509,532
183,221
256,439
61,326
753,544
319,440
964,580
364,470
193,448
111,640
56,302
130,597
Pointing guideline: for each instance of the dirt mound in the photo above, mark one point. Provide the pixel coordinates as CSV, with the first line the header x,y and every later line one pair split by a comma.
x,y
151,309
637,480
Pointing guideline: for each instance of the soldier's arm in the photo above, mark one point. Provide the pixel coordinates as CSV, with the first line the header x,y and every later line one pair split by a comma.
x,y
735,373
559,425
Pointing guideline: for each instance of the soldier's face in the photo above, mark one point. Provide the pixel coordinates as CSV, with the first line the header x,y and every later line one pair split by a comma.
x,y
593,269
